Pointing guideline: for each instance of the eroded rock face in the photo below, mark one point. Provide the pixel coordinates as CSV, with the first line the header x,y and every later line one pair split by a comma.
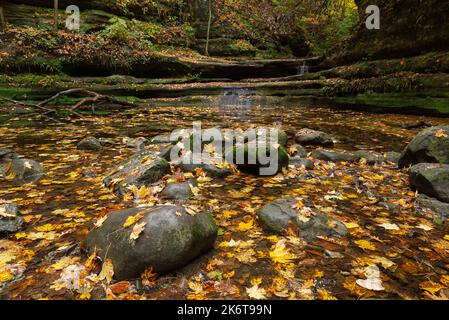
x,y
404,31
309,137
170,240
431,179
140,169
277,215
429,146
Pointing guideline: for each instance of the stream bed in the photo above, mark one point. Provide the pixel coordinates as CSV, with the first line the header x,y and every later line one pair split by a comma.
x,y
410,250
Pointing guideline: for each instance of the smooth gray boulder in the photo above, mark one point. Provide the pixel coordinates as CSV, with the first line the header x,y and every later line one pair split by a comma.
x,y
140,169
171,238
332,156
10,220
429,146
431,179
436,207
309,137
277,215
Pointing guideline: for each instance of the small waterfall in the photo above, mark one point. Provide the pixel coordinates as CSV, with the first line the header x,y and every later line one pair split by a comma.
x,y
303,69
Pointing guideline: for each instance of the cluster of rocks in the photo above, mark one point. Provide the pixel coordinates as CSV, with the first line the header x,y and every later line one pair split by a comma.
x,y
428,156
172,237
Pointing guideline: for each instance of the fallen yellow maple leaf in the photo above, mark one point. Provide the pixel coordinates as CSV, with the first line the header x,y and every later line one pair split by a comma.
x,y
107,271
256,293
365,244
441,134
281,253
431,286
245,226
137,230
133,219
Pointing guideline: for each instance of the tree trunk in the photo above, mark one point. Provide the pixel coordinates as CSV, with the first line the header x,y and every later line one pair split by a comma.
x,y
206,51
55,16
2,18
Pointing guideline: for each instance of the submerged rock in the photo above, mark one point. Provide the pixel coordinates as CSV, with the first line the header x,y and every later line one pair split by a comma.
x,y
277,215
171,238
436,207
10,220
141,169
26,170
312,137
431,179
429,146
90,143
332,156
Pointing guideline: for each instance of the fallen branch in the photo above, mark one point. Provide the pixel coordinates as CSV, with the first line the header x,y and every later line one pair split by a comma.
x,y
91,98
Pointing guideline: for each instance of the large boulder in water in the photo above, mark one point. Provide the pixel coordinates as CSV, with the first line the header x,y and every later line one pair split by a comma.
x,y
429,146
278,215
171,238
431,179
141,169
